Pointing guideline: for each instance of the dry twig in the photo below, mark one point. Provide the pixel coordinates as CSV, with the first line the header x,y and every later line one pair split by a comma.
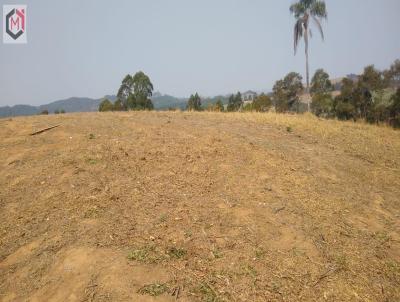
x,y
44,130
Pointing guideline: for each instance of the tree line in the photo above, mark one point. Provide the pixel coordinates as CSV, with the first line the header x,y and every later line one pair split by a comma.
x,y
371,96
374,96
57,111
261,103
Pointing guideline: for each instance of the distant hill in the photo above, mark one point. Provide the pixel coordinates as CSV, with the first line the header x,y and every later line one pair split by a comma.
x,y
74,104
165,101
81,104
18,110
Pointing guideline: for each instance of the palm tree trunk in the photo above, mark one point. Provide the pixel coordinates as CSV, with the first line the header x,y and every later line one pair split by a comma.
x,y
307,69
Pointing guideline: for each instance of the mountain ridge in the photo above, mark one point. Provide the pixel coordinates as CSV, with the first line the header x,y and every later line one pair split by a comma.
x,y
85,104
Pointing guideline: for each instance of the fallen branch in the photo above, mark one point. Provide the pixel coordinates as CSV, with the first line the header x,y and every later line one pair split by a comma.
x,y
324,275
279,209
44,130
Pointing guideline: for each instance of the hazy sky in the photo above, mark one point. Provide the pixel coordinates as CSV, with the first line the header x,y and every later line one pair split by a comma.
x,y
85,48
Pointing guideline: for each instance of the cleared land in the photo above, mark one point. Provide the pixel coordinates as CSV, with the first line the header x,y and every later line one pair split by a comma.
x,y
151,206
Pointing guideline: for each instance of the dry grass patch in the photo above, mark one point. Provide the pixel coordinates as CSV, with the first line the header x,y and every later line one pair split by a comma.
x,y
199,207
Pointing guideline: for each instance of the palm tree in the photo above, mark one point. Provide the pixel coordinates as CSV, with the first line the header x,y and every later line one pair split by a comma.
x,y
303,11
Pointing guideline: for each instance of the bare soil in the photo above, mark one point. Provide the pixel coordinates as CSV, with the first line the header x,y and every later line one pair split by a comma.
x,y
166,206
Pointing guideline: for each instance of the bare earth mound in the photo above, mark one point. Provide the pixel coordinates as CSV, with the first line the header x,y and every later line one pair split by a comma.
x,y
154,206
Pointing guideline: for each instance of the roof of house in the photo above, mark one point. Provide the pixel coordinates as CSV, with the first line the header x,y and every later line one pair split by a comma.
x,y
249,92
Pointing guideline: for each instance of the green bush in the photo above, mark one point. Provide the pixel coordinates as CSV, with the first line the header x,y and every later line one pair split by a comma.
x,y
322,105
262,103
106,105
395,110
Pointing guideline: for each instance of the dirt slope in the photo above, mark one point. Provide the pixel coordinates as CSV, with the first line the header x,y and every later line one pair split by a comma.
x,y
198,207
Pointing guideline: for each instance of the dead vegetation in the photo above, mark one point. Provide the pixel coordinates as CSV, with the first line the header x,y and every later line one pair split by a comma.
x,y
165,206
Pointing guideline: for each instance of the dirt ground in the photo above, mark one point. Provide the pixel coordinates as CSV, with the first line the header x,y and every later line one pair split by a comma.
x,y
166,206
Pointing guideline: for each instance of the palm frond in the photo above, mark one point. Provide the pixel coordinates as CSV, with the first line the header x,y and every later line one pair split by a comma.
x,y
318,23
318,9
297,9
298,33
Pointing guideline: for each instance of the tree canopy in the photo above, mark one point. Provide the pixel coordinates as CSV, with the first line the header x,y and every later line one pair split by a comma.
x,y
235,102
372,79
320,83
395,110
286,92
392,75
262,103
219,106
125,90
106,105
135,92
194,103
